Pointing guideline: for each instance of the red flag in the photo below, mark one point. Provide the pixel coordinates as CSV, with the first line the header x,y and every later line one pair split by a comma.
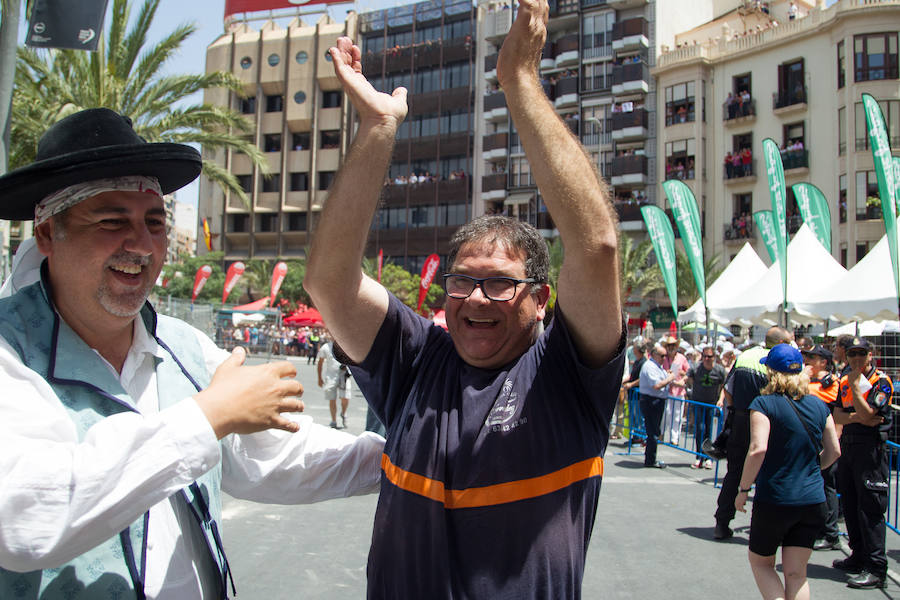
x,y
673,329
380,262
207,236
231,278
278,274
245,6
429,269
200,278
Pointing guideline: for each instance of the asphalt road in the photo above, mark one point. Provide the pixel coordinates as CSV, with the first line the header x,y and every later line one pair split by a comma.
x,y
652,537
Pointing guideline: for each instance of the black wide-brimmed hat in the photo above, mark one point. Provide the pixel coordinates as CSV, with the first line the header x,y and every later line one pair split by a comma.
x,y
96,143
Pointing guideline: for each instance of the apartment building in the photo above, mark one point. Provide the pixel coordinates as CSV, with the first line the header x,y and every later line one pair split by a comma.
x,y
300,120
800,82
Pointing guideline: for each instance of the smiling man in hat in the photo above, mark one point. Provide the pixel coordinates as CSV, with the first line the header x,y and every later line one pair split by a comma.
x,y
118,426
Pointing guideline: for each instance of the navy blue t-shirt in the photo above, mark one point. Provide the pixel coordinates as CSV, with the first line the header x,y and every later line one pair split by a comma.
x,y
491,477
790,473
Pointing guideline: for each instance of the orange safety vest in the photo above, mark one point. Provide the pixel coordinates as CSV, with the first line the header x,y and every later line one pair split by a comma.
x,y
827,394
846,396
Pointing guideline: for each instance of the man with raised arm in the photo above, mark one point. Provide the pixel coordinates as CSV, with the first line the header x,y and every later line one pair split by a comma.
x,y
120,427
495,432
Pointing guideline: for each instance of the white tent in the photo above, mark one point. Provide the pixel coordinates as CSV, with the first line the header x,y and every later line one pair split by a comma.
x,y
865,292
810,269
746,266
866,328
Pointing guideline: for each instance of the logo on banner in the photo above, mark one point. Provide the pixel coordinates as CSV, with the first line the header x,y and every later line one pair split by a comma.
x,y
86,35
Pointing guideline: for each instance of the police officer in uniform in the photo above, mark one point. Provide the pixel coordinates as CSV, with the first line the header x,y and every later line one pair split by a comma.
x,y
863,404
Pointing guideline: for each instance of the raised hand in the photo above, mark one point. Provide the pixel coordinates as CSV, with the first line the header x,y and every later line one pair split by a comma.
x,y
242,399
373,106
520,55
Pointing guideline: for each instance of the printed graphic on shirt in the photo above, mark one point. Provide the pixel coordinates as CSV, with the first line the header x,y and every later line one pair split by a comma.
x,y
502,415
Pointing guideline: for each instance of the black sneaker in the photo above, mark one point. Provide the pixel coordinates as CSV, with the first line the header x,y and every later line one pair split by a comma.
x,y
866,581
848,565
722,532
334,425
826,544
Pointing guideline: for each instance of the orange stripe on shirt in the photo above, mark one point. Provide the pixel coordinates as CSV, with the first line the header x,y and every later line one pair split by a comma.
x,y
490,495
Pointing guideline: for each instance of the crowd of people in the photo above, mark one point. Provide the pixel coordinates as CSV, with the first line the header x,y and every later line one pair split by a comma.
x,y
739,163
418,177
804,423
739,104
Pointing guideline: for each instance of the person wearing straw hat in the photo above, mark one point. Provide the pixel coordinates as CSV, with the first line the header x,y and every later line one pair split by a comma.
x,y
118,426
792,437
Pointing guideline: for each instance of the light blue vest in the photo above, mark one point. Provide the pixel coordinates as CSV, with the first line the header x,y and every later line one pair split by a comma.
x,y
90,392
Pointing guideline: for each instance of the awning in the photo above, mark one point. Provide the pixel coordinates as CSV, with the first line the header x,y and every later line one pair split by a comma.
x,y
520,198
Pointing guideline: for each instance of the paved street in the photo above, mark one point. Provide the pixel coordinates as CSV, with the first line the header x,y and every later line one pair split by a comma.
x,y
652,539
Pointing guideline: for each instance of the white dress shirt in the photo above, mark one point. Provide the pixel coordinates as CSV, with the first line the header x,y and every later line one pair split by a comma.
x,y
61,496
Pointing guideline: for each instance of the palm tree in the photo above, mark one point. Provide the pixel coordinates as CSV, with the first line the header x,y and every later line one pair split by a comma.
x,y
687,289
639,275
126,77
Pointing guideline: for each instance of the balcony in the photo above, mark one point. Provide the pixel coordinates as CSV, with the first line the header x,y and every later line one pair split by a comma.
x,y
738,114
497,24
490,67
566,92
629,170
567,53
623,4
493,187
548,56
785,101
630,125
495,107
795,162
740,230
740,174
630,34
495,146
628,211
633,77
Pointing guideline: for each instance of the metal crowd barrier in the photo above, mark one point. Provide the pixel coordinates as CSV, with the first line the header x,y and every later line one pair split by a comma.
x,y
893,512
693,415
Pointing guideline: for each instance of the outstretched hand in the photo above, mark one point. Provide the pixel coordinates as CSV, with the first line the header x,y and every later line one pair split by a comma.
x,y
520,55
242,399
373,106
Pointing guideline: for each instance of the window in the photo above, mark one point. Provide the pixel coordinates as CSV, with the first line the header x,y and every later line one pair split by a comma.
x,y
273,60
239,223
861,250
272,183
875,56
268,222
596,39
331,99
680,103
793,146
272,142
741,83
891,111
274,104
842,200
327,56
866,195
844,255
330,139
300,97
680,159
296,221
457,29
246,183
597,76
299,182
451,214
741,226
248,105
842,131
246,62
454,76
421,216
300,141
301,57
520,173
743,205
841,60
597,128
326,178
791,85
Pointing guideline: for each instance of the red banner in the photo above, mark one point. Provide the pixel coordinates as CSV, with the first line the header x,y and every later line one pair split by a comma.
x,y
429,270
246,6
200,278
380,263
278,274
231,278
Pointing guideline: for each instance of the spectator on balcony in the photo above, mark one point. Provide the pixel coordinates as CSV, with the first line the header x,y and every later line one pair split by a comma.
x,y
689,171
745,102
736,165
681,114
742,225
792,11
729,165
731,104
747,161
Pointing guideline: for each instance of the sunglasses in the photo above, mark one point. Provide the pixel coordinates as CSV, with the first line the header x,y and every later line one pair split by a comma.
x,y
856,353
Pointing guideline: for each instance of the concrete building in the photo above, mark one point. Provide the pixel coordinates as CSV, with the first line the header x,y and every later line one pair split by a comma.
x,y
802,81
300,120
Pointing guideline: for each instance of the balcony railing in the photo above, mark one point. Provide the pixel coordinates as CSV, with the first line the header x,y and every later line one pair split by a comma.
x,y
493,182
735,110
795,159
566,85
785,98
738,230
495,141
495,100
490,62
739,171
630,74
629,165
630,27
635,118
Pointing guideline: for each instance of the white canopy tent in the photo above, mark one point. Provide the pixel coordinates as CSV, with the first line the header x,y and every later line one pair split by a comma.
x,y
865,292
866,328
746,266
810,269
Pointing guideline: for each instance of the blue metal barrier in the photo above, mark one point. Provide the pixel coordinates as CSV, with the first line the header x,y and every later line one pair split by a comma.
x,y
893,511
699,421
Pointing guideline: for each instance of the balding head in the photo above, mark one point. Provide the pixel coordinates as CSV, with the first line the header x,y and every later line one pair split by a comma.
x,y
777,335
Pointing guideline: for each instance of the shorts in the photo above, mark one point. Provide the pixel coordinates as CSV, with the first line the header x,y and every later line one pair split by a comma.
x,y
339,384
774,525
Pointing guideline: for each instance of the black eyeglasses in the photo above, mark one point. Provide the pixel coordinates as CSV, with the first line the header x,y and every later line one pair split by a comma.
x,y
708,356
856,352
498,289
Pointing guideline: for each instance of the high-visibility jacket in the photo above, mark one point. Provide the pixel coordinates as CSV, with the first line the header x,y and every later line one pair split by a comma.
x,y
878,397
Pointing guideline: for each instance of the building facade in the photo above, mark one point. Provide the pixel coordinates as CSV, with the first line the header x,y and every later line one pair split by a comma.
x,y
799,82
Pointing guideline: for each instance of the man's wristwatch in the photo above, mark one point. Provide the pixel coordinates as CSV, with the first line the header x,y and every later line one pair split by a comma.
x,y
743,491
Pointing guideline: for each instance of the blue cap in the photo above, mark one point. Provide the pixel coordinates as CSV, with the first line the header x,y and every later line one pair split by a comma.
x,y
783,358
